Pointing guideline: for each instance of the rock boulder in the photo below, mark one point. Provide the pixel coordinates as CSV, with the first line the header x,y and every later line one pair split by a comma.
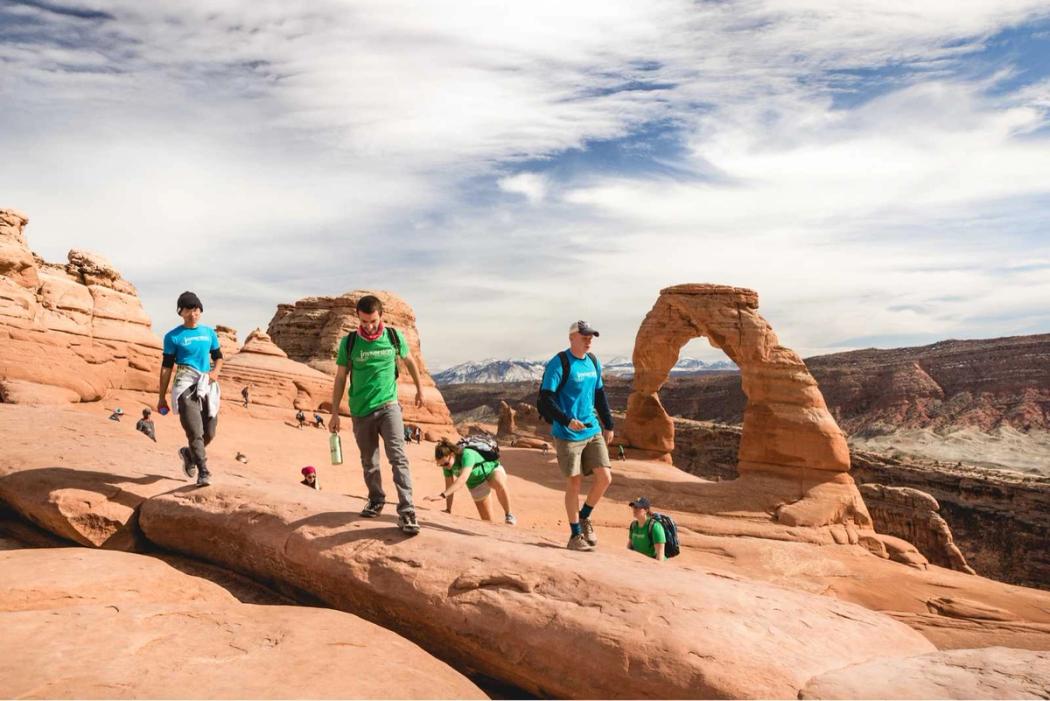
x,y
275,379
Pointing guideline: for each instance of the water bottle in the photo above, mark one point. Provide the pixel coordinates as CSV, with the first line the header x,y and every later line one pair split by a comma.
x,y
335,445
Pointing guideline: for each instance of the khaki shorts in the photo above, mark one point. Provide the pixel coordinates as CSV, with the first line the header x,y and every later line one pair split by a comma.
x,y
482,491
581,457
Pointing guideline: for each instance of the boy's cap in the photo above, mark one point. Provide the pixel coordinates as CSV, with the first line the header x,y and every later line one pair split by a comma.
x,y
188,300
641,503
583,328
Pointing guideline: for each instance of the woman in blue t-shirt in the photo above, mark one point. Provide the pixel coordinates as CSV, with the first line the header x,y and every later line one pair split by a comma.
x,y
466,466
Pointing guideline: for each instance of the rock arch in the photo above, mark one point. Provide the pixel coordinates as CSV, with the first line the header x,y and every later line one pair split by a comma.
x,y
793,461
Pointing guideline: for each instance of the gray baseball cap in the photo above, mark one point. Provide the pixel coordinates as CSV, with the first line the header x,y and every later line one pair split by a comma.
x,y
582,327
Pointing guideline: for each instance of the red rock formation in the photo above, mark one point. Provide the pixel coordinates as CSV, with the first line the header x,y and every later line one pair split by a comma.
x,y
82,623
310,330
791,450
227,341
275,379
709,634
68,333
507,427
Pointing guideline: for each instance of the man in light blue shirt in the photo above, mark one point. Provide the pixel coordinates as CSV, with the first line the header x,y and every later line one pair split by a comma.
x,y
572,398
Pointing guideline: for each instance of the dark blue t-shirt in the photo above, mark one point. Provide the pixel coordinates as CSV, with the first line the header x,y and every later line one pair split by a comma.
x,y
191,347
576,399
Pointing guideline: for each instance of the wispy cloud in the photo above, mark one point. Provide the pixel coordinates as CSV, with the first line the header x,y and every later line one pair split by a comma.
x,y
874,169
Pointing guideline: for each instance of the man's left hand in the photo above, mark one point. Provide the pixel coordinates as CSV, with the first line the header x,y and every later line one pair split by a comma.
x,y
608,436
419,398
213,376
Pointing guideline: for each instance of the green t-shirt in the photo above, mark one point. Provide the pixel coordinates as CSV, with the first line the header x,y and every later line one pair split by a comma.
x,y
640,537
470,459
373,381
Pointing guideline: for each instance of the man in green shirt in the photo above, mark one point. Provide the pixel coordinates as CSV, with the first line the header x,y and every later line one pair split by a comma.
x,y
369,358
645,535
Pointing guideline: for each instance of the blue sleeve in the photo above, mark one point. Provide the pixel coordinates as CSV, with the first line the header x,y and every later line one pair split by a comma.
x,y
214,340
169,344
551,375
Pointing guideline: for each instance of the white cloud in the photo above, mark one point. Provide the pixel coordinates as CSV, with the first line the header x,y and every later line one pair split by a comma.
x,y
341,145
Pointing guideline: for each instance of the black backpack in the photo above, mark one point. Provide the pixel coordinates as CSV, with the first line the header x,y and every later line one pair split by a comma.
x,y
564,357
487,447
391,334
671,547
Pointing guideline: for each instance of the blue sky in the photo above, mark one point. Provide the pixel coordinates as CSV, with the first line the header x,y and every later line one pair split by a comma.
x,y
878,171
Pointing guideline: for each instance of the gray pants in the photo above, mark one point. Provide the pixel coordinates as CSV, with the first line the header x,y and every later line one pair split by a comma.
x,y
385,421
199,430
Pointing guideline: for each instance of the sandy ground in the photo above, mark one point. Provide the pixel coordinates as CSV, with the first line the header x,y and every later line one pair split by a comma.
x,y
81,437
1005,448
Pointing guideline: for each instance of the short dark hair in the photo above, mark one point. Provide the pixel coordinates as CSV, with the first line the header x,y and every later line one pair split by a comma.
x,y
188,300
369,304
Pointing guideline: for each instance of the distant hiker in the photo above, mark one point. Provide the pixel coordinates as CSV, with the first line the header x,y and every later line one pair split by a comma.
x,y
408,434
418,434
145,425
623,456
301,418
648,533
461,465
318,421
244,395
572,398
546,447
117,413
310,477
195,393
369,358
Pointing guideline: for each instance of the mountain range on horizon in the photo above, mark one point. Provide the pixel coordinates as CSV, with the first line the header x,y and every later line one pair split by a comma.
x,y
494,370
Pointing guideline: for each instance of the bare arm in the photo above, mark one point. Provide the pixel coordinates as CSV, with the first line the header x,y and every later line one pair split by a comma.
x,y
414,371
162,393
659,551
214,374
448,497
338,389
460,481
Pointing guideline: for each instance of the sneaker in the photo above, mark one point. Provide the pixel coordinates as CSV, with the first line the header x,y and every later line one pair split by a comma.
x,y
203,478
511,520
407,523
587,528
578,542
372,509
187,463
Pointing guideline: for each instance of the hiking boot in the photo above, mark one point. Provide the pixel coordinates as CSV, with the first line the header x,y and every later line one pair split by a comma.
x,y
203,478
407,523
587,529
511,520
187,463
578,542
372,509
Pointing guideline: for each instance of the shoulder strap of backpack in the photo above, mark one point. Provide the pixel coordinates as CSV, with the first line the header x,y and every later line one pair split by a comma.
x,y
594,360
564,357
395,341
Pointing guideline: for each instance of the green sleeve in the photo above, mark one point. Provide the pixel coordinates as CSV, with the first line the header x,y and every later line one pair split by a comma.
x,y
340,358
470,458
658,533
447,472
403,343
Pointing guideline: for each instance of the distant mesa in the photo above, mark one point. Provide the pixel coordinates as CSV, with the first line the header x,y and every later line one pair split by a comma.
x,y
68,332
310,330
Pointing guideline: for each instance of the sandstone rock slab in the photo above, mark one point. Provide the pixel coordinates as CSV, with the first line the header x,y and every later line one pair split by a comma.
x,y
986,673
532,615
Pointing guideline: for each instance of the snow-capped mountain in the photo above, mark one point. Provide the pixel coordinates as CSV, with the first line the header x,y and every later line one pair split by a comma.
x,y
493,370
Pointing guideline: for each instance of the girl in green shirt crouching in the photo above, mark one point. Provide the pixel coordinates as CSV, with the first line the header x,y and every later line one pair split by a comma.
x,y
645,535
466,466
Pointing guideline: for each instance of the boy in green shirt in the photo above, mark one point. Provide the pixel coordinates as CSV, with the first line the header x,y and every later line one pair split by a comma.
x,y
369,357
645,535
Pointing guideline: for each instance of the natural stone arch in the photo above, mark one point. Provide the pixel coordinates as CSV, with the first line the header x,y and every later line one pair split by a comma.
x,y
793,456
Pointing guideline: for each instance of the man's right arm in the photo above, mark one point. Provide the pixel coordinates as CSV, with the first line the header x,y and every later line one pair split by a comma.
x,y
338,388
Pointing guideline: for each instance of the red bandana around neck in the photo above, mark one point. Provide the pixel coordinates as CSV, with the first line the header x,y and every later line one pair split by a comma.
x,y
371,337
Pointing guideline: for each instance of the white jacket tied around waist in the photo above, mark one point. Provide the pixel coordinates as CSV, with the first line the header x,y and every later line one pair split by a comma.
x,y
206,393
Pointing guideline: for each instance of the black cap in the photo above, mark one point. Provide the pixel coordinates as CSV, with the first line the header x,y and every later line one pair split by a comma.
x,y
188,300
641,503
583,328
